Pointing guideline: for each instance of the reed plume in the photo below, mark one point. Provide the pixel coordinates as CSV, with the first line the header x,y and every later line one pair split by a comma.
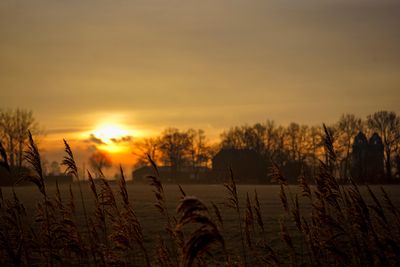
x,y
233,202
4,158
194,211
175,237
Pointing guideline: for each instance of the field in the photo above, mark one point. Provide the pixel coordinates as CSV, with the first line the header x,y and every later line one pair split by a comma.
x,y
153,223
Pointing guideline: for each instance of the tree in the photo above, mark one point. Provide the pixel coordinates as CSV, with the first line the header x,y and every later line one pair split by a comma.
x,y
270,138
387,125
330,146
55,168
233,138
199,150
100,160
14,126
143,148
348,127
174,146
261,137
316,141
297,142
254,138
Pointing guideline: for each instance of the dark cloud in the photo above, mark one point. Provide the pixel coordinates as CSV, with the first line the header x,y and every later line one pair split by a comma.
x,y
93,139
123,139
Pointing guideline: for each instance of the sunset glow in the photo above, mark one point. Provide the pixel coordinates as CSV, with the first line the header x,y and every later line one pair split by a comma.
x,y
108,132
113,148
105,75
112,137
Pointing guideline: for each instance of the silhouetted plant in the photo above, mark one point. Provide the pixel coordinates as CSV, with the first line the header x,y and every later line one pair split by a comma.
x,y
326,224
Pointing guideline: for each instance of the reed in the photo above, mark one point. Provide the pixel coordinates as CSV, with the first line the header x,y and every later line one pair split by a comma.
x,y
326,224
233,203
194,211
167,255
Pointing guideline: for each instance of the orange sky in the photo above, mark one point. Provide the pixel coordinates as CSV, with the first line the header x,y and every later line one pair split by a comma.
x,y
149,64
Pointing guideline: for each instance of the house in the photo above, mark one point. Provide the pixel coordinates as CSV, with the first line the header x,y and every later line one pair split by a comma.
x,y
60,179
167,174
247,165
367,159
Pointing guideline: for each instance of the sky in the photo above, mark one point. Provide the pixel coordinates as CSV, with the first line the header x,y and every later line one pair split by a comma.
x,y
151,64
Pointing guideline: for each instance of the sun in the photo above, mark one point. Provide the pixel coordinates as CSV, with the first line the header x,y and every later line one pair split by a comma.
x,y
109,132
114,137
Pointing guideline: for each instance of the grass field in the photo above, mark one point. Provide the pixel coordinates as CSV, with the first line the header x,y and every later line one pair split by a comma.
x,y
153,223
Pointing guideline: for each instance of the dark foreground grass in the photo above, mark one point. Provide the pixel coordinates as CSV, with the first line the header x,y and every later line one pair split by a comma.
x,y
99,224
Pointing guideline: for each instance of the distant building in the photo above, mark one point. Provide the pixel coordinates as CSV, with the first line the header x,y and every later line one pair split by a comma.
x,y
375,167
17,174
185,174
359,158
246,164
60,179
367,159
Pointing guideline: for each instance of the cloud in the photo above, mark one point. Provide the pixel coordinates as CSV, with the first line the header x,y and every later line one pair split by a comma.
x,y
123,139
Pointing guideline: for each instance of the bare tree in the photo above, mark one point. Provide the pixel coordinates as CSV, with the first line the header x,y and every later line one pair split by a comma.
x,y
387,125
259,137
280,155
348,127
233,138
100,160
316,141
147,146
199,149
297,142
292,132
174,145
270,138
55,168
14,126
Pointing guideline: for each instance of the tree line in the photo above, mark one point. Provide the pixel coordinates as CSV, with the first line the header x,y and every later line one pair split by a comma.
x,y
291,145
296,144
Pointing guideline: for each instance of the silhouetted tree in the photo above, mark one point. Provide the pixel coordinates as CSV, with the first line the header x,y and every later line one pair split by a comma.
x,y
297,143
330,146
174,147
291,143
316,143
387,125
100,160
233,138
348,126
280,155
55,168
261,138
147,146
14,126
254,138
270,138
199,150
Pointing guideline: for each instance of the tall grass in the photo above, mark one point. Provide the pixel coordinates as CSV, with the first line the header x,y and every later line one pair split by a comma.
x,y
326,224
